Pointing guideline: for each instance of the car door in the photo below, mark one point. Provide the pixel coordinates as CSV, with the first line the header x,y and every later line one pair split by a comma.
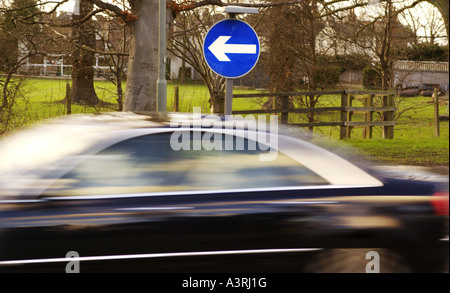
x,y
146,204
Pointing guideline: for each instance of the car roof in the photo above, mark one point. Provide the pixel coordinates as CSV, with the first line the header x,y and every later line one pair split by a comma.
x,y
127,120
71,133
38,145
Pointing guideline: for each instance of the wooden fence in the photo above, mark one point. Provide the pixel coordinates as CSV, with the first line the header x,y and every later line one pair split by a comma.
x,y
346,110
437,116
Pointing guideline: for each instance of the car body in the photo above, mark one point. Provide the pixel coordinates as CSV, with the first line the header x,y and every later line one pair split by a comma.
x,y
165,193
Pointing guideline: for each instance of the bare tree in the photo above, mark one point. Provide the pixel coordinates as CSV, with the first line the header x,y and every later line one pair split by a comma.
x,y
428,29
378,36
143,60
38,14
186,41
19,42
114,38
140,17
443,7
299,52
83,91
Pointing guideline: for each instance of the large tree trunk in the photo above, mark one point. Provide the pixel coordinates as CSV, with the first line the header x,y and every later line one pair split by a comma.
x,y
143,59
83,91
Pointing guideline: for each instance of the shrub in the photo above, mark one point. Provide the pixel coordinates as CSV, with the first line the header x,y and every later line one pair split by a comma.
x,y
371,78
327,76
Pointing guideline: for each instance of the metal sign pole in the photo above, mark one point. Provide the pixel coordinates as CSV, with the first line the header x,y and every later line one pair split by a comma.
x,y
228,109
161,84
229,96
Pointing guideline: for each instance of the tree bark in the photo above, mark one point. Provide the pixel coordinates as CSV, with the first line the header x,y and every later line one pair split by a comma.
x,y
83,91
143,59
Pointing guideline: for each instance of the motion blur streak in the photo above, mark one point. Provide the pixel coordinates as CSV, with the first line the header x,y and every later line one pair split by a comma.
x,y
156,255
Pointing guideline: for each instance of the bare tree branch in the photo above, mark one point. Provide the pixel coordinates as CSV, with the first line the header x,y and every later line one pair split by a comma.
x,y
68,24
117,11
89,49
190,5
58,4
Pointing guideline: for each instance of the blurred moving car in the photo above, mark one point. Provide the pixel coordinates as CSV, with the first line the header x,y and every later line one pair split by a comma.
x,y
150,193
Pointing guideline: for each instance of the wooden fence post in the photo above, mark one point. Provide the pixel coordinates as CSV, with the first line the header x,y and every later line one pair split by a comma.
x,y
436,113
343,128
368,117
176,99
349,116
68,100
284,106
388,116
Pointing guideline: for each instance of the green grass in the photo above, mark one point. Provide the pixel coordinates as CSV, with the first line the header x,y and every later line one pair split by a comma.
x,y
40,99
413,144
406,151
197,95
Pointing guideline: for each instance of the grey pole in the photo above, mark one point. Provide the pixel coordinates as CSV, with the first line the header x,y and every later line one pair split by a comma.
x,y
229,96
229,85
161,89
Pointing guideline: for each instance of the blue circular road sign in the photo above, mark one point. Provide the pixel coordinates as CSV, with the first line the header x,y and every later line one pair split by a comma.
x,y
231,48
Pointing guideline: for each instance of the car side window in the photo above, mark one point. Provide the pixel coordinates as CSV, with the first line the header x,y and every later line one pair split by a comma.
x,y
150,164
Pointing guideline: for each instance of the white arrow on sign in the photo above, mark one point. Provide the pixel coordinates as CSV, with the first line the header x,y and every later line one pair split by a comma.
x,y
219,48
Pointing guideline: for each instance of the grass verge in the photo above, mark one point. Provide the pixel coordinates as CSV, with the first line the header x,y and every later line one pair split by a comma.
x,y
413,143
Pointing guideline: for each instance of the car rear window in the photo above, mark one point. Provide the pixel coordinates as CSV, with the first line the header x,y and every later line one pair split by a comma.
x,y
150,163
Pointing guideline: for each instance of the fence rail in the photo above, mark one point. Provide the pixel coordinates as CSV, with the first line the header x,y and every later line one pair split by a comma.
x,y
56,69
346,110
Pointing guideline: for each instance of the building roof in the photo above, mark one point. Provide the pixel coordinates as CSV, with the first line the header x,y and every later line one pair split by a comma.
x,y
425,66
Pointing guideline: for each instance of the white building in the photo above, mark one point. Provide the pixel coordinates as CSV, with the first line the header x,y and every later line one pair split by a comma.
x,y
408,74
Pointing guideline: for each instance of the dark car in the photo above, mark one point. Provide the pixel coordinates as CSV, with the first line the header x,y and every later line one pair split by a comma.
x,y
128,192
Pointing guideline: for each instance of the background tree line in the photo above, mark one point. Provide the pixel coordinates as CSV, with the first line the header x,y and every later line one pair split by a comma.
x,y
306,43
